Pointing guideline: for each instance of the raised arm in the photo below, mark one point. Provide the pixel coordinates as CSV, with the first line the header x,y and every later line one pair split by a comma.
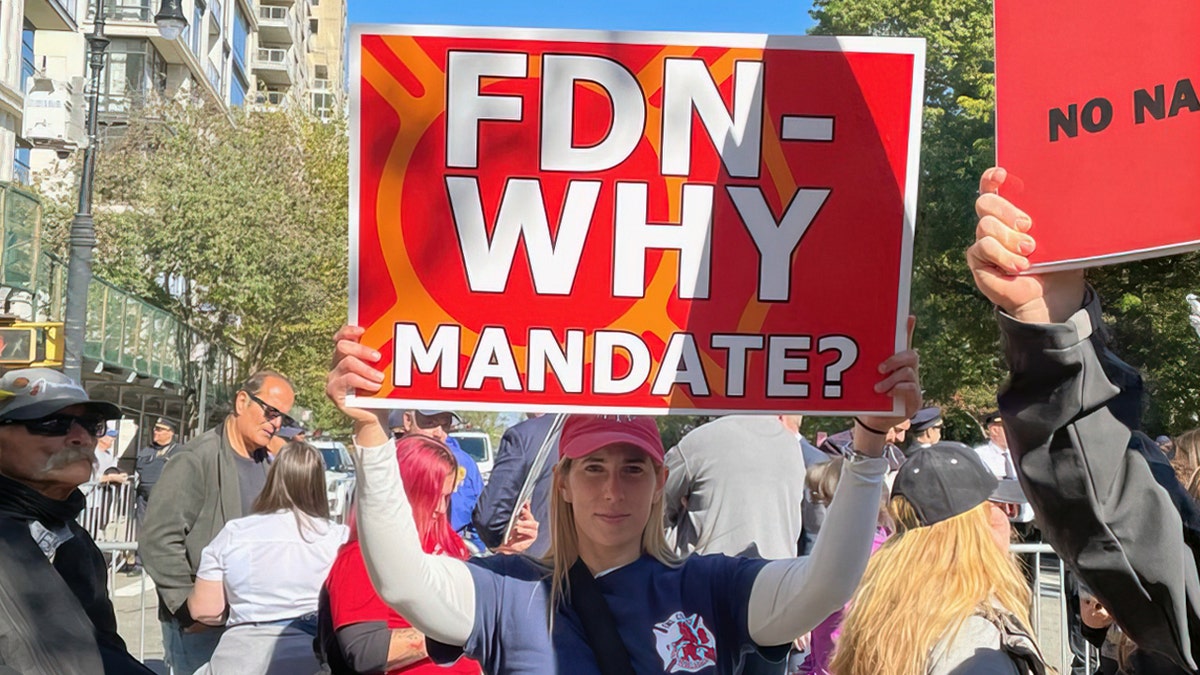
x,y
434,593
1071,408
791,597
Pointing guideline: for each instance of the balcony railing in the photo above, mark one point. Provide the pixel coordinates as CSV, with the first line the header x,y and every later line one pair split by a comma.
x,y
134,11
272,56
273,98
214,75
272,14
122,329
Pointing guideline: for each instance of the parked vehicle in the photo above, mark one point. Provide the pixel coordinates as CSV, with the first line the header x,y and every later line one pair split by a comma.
x,y
339,477
478,445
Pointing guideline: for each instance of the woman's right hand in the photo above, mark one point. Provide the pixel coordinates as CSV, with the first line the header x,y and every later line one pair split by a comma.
x,y
999,258
351,370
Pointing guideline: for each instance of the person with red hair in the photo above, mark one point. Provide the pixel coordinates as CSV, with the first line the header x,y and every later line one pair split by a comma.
x,y
361,634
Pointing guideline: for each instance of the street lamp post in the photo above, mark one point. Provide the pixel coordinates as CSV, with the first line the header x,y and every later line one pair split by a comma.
x,y
171,22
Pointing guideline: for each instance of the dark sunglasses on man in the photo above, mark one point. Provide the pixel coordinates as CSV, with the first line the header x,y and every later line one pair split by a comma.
x,y
60,424
270,412
443,420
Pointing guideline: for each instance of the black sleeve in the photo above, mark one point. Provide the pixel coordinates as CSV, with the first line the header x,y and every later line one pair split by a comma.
x,y
365,646
498,499
1071,408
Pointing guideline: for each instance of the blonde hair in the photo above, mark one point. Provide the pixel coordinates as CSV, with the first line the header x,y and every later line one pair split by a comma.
x,y
564,538
921,586
1187,461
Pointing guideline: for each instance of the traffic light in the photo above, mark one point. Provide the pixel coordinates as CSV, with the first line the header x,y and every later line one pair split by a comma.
x,y
24,344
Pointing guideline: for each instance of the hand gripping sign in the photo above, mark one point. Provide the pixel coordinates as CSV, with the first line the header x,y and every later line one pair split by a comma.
x,y
643,222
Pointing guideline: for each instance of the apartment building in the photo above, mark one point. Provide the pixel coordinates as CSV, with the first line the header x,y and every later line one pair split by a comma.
x,y
278,62
327,55
20,21
262,53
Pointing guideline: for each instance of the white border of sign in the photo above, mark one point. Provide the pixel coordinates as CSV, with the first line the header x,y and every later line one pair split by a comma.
x,y
914,47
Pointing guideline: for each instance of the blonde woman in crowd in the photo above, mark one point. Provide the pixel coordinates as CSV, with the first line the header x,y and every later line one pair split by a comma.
x,y
943,595
1187,462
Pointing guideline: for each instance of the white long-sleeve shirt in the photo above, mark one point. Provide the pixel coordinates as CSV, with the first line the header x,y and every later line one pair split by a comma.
x,y
437,595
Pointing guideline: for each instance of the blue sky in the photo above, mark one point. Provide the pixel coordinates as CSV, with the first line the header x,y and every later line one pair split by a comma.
x,y
748,16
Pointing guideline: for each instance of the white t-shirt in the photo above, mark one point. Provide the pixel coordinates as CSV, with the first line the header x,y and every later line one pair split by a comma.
x,y
271,569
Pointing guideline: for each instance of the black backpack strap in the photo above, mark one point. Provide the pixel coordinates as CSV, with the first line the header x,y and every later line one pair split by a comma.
x,y
1019,645
599,625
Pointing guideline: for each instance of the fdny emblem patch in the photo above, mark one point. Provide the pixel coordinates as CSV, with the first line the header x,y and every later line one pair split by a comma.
x,y
685,644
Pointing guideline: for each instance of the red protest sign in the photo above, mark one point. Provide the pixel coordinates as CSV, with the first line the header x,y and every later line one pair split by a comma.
x,y
644,222
1097,124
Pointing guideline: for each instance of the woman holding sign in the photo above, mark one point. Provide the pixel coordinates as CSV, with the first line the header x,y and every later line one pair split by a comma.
x,y
609,597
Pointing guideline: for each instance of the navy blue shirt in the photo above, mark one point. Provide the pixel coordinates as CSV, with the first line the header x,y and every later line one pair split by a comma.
x,y
688,619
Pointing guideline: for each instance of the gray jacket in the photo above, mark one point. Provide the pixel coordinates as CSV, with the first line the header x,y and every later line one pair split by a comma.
x,y
1108,504
983,646
196,496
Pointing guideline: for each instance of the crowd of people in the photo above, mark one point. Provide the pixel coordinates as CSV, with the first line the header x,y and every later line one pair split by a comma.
x,y
592,548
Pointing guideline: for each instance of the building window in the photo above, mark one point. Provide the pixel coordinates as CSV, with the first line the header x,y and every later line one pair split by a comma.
x,y
21,172
133,68
237,89
312,26
241,31
196,28
323,104
26,54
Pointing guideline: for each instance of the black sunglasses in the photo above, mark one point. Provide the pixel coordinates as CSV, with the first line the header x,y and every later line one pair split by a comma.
x,y
443,420
60,425
269,411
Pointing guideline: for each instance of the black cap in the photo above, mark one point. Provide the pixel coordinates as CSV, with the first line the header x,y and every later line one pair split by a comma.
x,y
164,422
926,418
1009,492
944,480
992,418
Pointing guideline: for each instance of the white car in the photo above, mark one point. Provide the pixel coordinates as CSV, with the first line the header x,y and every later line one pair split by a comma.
x,y
339,477
478,445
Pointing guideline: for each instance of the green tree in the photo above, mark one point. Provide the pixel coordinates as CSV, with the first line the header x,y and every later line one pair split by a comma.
x,y
955,332
492,423
961,360
235,221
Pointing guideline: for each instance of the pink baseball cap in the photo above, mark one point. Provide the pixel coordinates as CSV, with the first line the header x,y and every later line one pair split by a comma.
x,y
584,434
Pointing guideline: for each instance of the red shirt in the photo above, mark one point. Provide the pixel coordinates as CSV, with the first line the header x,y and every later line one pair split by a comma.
x,y
352,599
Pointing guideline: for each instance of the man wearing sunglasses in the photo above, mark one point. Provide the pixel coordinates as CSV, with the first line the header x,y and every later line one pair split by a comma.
x,y
57,617
213,479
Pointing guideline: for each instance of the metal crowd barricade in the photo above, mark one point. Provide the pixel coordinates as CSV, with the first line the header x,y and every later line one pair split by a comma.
x,y
110,512
1051,592
116,552
341,500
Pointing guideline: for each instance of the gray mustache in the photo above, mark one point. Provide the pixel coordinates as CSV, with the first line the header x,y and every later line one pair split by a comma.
x,y
70,456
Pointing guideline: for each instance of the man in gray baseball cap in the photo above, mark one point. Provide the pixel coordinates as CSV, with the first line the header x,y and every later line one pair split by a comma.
x,y
63,620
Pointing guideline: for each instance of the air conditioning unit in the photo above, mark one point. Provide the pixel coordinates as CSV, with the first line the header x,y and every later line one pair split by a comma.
x,y
54,114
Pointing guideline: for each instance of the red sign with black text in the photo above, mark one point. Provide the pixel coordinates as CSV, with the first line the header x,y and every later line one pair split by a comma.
x,y
635,222
1098,125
